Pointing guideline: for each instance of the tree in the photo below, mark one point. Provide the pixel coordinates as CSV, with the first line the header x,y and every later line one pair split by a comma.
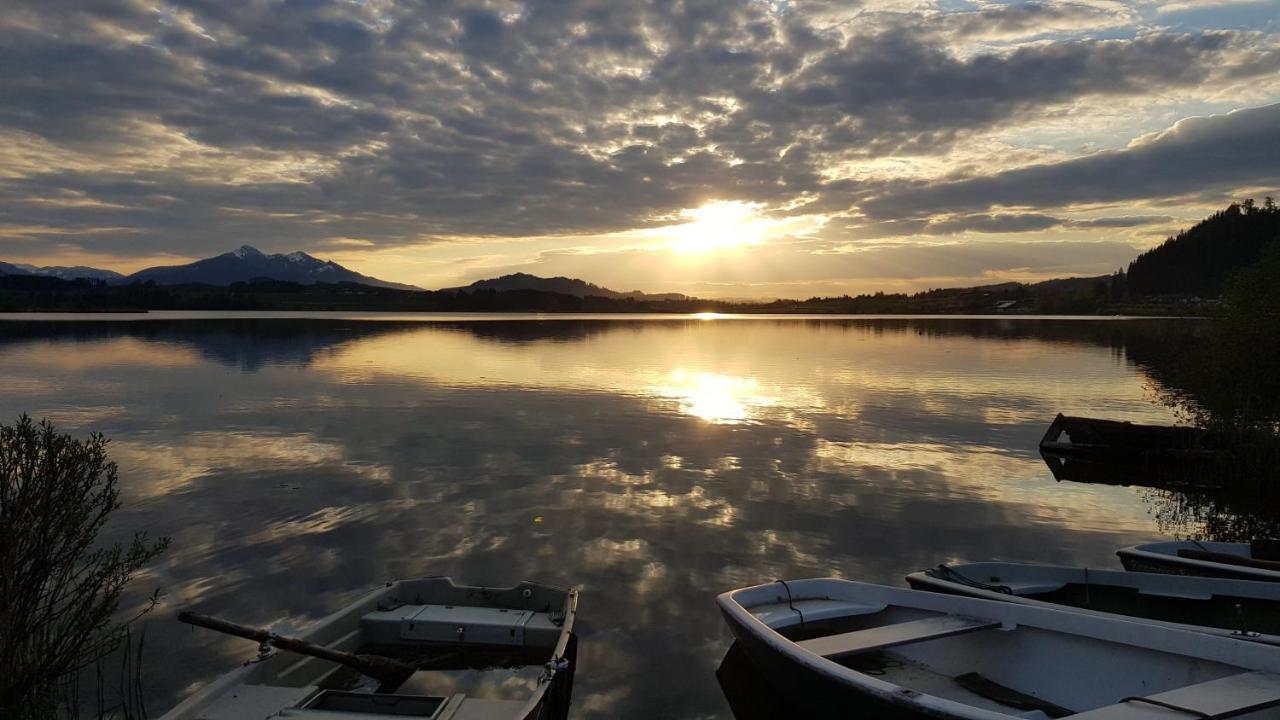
x,y
60,586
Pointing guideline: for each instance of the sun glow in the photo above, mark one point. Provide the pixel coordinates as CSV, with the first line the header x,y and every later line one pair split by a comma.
x,y
718,225
716,398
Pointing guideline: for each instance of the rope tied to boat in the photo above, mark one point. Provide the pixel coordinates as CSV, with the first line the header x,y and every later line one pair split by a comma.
x,y
945,572
790,604
552,667
1176,708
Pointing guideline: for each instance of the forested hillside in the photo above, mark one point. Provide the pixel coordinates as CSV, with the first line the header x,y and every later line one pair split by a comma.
x,y
1199,261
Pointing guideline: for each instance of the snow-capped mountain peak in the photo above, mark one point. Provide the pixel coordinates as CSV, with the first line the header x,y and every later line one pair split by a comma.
x,y
246,251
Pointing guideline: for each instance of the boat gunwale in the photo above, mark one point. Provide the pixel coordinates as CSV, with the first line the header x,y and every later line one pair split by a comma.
x,y
1216,569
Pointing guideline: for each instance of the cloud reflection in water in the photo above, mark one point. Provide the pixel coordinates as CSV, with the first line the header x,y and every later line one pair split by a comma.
x,y
296,463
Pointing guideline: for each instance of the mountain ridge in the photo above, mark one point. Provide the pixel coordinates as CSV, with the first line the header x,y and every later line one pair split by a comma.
x,y
248,263
62,272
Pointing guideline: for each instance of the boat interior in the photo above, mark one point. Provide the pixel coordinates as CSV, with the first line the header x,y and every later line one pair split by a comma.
x,y
1016,670
477,654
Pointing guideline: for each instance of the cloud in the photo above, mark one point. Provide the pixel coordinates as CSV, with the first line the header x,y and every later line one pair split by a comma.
x,y
996,20
1006,223
1195,155
199,126
788,270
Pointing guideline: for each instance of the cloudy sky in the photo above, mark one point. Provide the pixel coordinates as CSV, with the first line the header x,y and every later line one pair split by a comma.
x,y
732,148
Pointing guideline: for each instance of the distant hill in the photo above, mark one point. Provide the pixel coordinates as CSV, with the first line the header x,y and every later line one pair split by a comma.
x,y
1200,260
59,271
248,263
63,272
559,285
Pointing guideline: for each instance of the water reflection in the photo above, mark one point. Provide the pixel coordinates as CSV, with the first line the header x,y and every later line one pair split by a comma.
x,y
296,463
1191,501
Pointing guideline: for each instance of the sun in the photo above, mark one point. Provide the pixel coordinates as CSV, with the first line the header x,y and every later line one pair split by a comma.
x,y
718,225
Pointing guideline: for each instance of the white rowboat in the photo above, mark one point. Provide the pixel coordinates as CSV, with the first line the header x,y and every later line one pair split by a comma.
x,y
1242,609
428,623
893,652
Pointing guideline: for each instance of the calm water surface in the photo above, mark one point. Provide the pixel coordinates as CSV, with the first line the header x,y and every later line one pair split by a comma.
x,y
296,462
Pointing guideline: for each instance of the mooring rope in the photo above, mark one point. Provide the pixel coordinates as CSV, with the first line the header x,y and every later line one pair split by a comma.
x,y
791,605
1176,708
943,572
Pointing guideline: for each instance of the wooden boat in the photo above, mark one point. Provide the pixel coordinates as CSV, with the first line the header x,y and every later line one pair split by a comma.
x,y
888,652
408,635
1163,456
1258,560
1219,606
1093,436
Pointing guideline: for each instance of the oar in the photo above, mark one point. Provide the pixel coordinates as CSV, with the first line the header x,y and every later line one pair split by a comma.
x,y
388,671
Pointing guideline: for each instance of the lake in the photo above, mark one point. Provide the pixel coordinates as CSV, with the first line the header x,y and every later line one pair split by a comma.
x,y
297,461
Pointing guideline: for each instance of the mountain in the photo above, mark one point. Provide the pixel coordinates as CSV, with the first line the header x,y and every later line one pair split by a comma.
x,y
7,269
559,285
1200,260
248,263
63,272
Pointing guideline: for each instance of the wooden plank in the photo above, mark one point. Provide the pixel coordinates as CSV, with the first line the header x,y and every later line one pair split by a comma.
x,y
887,636
1222,698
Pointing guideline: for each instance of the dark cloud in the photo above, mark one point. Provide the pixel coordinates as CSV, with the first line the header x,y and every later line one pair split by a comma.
x,y
1034,18
1021,223
1007,223
1120,221
896,91
1223,152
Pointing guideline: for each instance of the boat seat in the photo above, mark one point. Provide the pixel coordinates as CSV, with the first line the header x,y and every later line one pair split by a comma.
x,y
1222,698
887,636
460,624
247,701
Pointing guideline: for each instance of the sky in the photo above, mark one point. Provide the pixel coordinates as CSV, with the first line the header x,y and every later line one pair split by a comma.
x,y
726,148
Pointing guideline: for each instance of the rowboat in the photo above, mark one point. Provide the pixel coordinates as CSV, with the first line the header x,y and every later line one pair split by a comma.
x,y
1220,606
1248,561
391,652
889,652
1094,436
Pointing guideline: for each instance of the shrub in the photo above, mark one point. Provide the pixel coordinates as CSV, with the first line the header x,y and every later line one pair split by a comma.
x,y
59,585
